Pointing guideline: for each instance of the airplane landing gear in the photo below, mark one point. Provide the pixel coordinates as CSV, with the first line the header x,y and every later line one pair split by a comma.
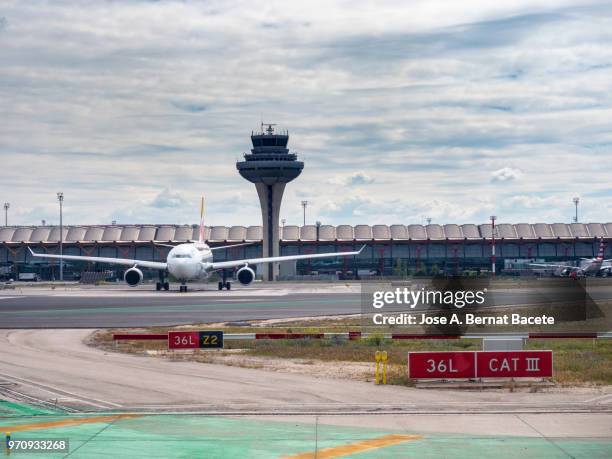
x,y
183,288
224,283
162,283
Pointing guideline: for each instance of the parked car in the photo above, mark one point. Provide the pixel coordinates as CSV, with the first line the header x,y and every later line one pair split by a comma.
x,y
31,277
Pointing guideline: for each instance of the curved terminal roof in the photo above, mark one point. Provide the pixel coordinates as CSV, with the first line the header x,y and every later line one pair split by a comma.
x,y
185,233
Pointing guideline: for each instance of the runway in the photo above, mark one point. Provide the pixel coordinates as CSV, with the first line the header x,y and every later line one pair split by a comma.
x,y
225,407
121,306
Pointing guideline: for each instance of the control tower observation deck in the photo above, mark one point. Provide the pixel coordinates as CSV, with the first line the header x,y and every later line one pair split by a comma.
x,y
270,167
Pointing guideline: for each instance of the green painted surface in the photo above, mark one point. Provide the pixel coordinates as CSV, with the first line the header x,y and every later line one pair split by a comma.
x,y
17,409
193,436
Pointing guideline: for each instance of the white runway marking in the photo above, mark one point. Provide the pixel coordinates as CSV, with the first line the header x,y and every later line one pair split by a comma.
x,y
56,391
603,399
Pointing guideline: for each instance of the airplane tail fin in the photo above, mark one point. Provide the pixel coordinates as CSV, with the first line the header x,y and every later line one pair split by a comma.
x,y
201,238
600,254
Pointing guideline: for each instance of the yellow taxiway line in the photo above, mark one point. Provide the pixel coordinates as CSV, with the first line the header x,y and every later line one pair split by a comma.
x,y
65,423
353,448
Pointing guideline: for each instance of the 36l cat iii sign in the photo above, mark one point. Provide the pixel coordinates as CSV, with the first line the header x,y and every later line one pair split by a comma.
x,y
514,364
481,364
195,339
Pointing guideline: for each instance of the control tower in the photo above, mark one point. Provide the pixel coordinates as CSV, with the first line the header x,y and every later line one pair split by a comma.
x,y
270,167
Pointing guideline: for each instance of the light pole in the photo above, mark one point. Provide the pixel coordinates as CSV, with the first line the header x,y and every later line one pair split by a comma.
x,y
304,204
576,201
493,218
7,205
60,198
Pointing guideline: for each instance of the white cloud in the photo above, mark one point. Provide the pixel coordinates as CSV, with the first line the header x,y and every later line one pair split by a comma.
x,y
111,102
355,179
506,174
168,199
533,202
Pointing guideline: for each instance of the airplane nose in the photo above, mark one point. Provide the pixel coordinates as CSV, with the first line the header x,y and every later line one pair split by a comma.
x,y
180,270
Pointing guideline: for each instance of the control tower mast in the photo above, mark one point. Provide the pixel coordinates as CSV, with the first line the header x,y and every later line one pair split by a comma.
x,y
270,167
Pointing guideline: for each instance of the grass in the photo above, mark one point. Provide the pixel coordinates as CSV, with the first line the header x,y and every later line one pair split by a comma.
x,y
579,361
576,361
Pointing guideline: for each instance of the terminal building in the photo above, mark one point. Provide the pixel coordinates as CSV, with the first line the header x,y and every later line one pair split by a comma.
x,y
395,250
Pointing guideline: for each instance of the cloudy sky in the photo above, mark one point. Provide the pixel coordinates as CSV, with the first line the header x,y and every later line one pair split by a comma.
x,y
402,111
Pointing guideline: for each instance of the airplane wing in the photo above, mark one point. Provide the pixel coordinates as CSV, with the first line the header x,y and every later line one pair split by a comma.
x,y
164,245
112,261
545,265
230,246
211,248
255,261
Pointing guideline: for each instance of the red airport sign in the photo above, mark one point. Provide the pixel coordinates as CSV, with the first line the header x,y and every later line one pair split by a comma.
x,y
480,364
195,339
441,365
514,364
183,340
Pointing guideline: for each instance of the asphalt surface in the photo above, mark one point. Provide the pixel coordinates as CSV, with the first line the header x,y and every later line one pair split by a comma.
x,y
53,368
56,367
121,306
125,307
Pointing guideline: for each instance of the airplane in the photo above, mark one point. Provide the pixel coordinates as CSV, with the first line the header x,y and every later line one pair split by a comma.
x,y
191,261
588,266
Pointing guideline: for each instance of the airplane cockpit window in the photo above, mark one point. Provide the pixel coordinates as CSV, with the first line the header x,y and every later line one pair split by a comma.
x,y
182,255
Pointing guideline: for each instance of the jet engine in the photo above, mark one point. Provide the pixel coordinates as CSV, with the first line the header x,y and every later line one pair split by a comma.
x,y
245,275
133,277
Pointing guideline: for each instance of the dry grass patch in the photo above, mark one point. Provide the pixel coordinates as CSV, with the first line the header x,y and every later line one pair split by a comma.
x,y
576,361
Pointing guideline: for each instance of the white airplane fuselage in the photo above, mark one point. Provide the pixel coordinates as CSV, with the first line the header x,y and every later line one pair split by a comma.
x,y
190,261
591,266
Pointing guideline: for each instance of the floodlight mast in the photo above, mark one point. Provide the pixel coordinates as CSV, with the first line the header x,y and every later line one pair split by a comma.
x,y
7,206
576,202
60,198
493,218
304,205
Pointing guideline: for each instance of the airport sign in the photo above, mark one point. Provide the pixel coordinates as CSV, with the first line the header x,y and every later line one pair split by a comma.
x,y
442,365
480,364
211,339
514,364
195,339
